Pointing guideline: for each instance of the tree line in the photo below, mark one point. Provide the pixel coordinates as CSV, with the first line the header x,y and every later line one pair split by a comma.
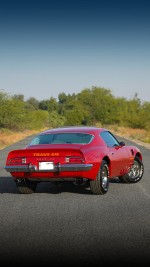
x,y
90,106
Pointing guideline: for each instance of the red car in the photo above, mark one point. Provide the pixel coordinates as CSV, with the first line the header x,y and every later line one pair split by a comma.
x,y
79,154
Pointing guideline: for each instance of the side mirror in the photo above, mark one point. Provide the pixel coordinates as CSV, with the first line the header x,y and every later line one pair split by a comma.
x,y
122,143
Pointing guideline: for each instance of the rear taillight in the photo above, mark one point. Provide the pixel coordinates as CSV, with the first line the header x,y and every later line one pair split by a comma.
x,y
17,160
74,160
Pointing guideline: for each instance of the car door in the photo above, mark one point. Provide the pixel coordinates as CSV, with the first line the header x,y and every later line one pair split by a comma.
x,y
118,154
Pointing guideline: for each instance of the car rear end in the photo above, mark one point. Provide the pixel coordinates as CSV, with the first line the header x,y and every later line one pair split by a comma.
x,y
50,163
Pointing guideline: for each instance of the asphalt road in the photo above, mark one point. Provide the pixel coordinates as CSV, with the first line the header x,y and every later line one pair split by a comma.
x,y
68,225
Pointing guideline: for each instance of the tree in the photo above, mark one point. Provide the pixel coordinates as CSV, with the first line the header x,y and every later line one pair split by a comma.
x,y
99,103
33,103
12,114
18,97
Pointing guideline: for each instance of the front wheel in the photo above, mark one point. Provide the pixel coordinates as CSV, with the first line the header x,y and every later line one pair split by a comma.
x,y
25,186
101,184
135,173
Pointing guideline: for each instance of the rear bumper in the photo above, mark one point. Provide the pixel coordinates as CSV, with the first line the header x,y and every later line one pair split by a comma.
x,y
57,168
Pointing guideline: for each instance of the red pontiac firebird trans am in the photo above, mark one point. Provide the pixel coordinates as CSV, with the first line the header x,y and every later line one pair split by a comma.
x,y
79,154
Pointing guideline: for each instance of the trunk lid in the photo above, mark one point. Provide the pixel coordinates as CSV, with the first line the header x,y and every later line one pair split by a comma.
x,y
56,153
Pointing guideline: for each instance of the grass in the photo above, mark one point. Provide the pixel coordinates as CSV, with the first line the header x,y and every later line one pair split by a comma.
x,y
141,136
8,137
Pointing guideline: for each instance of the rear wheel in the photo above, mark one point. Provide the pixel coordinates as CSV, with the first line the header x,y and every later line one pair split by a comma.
x,y
135,173
25,186
101,184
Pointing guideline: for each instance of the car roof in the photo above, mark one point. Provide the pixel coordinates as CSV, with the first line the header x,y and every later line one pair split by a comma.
x,y
72,129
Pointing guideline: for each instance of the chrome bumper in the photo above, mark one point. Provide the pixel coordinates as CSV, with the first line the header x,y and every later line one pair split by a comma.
x,y
57,168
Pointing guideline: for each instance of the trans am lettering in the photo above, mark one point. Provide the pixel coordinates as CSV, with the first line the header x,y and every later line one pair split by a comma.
x,y
45,154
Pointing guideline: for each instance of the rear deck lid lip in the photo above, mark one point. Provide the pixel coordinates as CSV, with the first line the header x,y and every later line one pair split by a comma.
x,y
55,146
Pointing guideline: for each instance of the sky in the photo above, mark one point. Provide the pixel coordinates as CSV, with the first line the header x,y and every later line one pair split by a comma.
x,y
50,47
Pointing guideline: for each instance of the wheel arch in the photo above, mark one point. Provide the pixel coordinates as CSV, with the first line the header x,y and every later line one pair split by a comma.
x,y
106,158
138,154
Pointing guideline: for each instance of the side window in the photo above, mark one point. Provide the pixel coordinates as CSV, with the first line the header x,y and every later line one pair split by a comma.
x,y
109,139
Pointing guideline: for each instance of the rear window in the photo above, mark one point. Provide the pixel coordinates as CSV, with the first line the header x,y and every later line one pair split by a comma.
x,y
62,138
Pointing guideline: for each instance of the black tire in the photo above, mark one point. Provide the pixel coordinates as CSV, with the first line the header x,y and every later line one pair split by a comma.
x,y
135,173
101,184
25,186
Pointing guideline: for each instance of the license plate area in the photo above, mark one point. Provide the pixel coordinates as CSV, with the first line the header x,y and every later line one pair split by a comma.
x,y
46,165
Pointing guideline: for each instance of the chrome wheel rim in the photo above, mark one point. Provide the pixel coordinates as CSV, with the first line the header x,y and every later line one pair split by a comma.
x,y
135,170
104,179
